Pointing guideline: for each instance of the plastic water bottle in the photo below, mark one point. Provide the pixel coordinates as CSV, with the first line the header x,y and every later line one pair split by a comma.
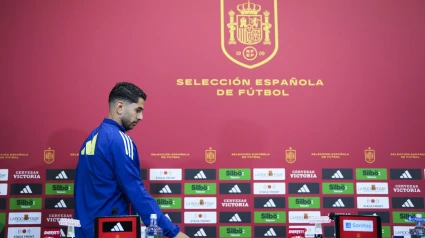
x,y
153,230
419,230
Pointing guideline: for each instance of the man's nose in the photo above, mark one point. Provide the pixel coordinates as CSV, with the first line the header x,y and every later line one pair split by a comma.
x,y
140,116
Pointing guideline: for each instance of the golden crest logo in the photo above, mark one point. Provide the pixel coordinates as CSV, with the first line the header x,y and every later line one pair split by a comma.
x,y
249,31
49,156
358,235
369,155
290,155
210,155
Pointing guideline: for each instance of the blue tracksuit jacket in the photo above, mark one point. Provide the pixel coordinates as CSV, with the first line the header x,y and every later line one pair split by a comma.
x,y
107,181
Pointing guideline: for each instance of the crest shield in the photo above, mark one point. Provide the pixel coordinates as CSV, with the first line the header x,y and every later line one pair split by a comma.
x,y
369,155
290,155
249,31
49,156
210,155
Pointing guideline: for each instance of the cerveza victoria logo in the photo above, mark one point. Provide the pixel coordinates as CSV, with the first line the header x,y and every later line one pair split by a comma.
x,y
230,203
406,188
405,174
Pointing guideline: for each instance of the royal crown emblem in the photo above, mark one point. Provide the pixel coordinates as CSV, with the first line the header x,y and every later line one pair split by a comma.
x,y
249,35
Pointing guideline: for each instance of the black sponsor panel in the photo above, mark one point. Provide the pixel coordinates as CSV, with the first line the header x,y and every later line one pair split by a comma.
x,y
175,217
144,174
235,188
26,189
200,174
269,202
113,226
405,174
329,231
338,202
267,231
59,203
385,216
235,217
303,188
2,203
337,174
165,188
407,202
60,174
202,231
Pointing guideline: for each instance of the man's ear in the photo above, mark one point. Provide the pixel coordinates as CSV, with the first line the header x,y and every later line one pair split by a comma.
x,y
119,107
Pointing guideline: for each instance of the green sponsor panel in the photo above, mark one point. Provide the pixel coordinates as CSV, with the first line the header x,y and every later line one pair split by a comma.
x,y
25,203
169,203
235,174
371,174
200,188
269,217
401,217
304,202
235,231
2,222
386,232
59,188
338,188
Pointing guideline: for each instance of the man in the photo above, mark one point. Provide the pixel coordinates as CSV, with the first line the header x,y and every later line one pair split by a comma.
x,y
107,178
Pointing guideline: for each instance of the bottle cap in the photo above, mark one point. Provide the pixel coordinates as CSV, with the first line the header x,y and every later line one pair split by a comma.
x,y
153,216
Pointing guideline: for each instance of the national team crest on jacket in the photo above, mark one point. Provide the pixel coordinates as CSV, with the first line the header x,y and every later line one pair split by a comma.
x,y
249,31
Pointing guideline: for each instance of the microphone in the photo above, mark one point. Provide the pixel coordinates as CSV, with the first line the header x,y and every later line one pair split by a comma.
x,y
332,216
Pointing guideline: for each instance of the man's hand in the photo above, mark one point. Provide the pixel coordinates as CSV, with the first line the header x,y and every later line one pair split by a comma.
x,y
182,235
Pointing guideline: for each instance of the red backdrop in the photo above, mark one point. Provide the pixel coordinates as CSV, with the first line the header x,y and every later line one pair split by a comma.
x,y
59,60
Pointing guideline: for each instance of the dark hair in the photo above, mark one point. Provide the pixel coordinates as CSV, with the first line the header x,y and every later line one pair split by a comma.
x,y
126,91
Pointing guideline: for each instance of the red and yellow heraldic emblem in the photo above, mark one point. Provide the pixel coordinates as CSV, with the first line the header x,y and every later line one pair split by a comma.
x,y
369,155
210,156
249,31
49,156
291,155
